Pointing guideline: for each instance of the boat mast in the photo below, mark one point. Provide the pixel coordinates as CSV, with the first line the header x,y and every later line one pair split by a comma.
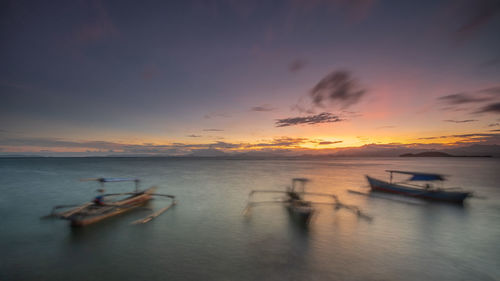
x,y
136,185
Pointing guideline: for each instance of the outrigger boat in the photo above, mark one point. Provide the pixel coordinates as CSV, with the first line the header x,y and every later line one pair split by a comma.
x,y
100,209
427,191
296,204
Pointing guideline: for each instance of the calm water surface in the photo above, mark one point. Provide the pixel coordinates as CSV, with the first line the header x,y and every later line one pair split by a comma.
x,y
206,237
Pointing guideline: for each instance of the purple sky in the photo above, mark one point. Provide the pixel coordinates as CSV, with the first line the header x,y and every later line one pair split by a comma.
x,y
177,76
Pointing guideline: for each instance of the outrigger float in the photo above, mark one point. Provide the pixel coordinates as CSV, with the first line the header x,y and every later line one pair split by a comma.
x,y
297,205
100,208
427,191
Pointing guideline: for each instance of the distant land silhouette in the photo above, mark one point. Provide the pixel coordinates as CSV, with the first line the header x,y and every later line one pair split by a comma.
x,y
369,150
437,154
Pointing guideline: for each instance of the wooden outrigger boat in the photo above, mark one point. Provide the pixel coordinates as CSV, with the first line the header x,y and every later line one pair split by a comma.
x,y
296,204
427,191
99,209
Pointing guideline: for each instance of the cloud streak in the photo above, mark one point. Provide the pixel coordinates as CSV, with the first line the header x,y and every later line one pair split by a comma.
x,y
490,108
462,98
262,108
328,142
484,138
283,141
324,117
481,101
461,121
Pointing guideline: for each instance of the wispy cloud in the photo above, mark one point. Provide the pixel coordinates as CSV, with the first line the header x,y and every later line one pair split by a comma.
x,y
337,88
280,142
462,98
262,108
55,144
297,65
328,142
485,138
490,108
277,146
494,124
461,121
485,100
213,130
494,91
194,136
324,117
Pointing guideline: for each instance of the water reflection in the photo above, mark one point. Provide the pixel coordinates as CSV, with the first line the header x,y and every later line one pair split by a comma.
x,y
207,238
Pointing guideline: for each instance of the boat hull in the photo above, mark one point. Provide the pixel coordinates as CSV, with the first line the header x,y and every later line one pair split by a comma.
x,y
96,213
301,213
435,195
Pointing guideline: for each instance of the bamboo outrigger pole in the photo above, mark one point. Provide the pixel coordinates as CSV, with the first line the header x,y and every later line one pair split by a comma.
x,y
154,215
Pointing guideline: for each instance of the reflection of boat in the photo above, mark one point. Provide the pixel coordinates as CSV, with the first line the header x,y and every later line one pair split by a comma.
x,y
427,191
99,209
296,204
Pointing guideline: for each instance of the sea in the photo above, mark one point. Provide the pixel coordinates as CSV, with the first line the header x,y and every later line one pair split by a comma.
x,y
206,236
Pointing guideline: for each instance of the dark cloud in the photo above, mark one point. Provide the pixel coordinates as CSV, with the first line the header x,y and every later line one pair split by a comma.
x,y
324,117
494,124
480,13
461,121
490,108
329,142
462,98
262,108
431,138
484,138
194,136
337,88
213,130
283,141
496,130
473,135
481,101
297,65
227,145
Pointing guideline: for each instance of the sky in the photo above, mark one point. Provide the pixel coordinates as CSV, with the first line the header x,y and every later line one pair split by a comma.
x,y
217,77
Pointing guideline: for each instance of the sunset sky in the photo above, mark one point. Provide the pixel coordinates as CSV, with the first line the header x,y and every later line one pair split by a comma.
x,y
180,77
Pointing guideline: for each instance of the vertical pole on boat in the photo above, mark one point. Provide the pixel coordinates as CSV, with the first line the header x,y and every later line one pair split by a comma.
x,y
390,181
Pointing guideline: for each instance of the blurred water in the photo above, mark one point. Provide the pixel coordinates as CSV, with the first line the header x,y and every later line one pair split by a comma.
x,y
205,237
